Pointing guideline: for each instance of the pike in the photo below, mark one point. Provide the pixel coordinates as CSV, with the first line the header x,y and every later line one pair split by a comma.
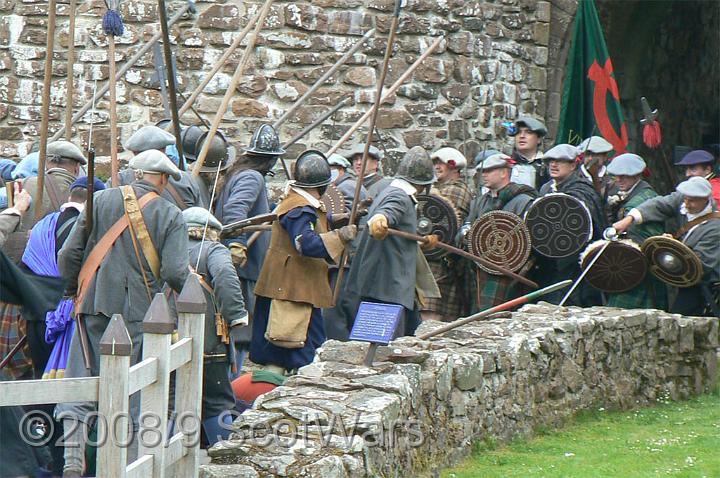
x,y
389,92
511,304
70,85
317,122
110,32
44,115
219,64
126,66
374,114
466,255
613,237
171,82
231,89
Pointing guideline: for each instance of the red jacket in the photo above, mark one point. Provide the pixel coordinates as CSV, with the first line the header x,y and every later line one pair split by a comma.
x,y
715,182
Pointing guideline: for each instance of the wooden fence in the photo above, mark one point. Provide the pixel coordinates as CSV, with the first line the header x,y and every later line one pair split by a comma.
x,y
160,452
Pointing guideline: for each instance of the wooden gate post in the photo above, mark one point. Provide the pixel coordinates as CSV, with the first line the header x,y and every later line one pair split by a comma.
x,y
191,307
114,419
158,326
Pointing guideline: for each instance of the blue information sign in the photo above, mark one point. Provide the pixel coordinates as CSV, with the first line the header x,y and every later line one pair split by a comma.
x,y
376,322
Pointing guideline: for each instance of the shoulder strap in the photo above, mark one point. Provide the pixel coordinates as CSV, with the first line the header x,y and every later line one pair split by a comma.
x,y
176,196
683,230
98,253
138,229
53,194
65,226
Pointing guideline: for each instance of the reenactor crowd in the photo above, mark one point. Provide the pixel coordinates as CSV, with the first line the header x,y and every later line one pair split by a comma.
x,y
278,287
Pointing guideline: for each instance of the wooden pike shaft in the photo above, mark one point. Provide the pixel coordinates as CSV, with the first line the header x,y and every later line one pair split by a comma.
x,y
170,76
321,81
466,255
126,66
373,119
391,90
231,89
316,123
70,83
220,63
511,304
114,166
45,111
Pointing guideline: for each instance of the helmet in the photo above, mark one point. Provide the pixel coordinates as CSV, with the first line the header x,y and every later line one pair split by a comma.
x,y
163,123
265,141
220,152
417,167
188,138
311,170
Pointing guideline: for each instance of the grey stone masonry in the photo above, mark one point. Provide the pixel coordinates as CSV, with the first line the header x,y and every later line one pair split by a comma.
x,y
425,402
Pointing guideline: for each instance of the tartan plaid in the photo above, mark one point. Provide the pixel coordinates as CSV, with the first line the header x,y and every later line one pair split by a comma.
x,y
650,294
492,290
449,282
458,193
12,328
446,270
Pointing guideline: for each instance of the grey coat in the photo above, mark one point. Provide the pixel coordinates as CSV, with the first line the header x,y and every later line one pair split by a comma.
x,y
517,205
376,184
385,270
186,187
245,195
62,180
8,224
217,270
118,286
703,239
346,185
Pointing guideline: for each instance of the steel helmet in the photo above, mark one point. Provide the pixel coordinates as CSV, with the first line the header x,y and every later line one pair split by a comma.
x,y
311,170
265,141
188,138
417,167
220,152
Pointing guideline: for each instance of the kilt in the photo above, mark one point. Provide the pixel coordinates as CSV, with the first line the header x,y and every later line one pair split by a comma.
x,y
12,329
449,278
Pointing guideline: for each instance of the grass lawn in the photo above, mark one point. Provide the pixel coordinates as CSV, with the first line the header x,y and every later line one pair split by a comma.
x,y
672,438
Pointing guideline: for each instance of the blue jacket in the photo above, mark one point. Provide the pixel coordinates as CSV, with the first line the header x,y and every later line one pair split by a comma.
x,y
245,195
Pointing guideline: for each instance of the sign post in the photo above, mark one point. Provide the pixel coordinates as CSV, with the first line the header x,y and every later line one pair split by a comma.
x,y
375,323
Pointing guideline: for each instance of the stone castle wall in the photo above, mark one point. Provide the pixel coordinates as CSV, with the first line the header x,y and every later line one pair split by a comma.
x,y
490,68
425,402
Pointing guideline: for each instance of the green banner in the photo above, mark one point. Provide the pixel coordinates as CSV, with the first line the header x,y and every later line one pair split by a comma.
x,y
591,99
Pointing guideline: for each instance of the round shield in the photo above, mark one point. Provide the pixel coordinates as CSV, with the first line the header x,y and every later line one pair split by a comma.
x,y
333,200
620,268
560,225
502,238
436,215
672,262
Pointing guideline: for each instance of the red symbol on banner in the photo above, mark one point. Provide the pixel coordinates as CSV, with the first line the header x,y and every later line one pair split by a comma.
x,y
604,83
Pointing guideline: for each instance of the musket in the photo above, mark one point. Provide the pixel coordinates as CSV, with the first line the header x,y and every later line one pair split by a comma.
x,y
388,93
171,82
231,89
368,141
45,112
466,255
230,229
511,304
121,72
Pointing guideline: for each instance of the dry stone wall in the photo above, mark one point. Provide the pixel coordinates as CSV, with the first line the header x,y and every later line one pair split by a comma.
x,y
490,68
426,401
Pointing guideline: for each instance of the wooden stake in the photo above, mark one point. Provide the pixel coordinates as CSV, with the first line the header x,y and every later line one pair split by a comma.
x,y
231,89
45,111
70,84
170,76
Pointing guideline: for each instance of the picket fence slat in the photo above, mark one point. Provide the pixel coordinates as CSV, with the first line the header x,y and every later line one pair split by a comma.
x,y
180,353
143,374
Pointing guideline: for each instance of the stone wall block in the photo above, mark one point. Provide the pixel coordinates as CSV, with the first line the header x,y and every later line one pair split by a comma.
x,y
224,17
348,22
305,17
